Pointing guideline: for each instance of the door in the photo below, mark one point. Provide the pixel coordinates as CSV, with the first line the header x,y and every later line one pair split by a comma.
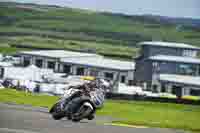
x,y
27,61
67,69
51,65
39,63
123,79
109,75
177,90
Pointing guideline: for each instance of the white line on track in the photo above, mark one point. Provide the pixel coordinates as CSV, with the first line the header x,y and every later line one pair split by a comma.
x,y
15,130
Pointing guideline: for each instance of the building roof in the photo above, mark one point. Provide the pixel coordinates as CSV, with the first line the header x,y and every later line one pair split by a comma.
x,y
181,79
169,44
57,53
180,59
101,62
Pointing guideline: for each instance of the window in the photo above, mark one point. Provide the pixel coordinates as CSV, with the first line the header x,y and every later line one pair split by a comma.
x,y
163,88
155,87
195,92
80,71
58,69
67,69
199,70
108,75
177,90
1,72
94,73
27,61
51,64
190,53
155,64
39,63
123,79
187,69
156,67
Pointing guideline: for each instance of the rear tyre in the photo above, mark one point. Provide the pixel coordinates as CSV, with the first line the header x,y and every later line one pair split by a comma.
x,y
74,106
91,117
76,120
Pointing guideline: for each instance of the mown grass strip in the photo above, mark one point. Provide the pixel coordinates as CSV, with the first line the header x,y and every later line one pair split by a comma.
x,y
150,114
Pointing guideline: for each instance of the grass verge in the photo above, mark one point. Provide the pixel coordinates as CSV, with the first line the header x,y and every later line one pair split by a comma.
x,y
129,112
18,97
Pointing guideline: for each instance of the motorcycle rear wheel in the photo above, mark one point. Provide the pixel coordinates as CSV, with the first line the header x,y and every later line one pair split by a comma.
x,y
75,105
91,117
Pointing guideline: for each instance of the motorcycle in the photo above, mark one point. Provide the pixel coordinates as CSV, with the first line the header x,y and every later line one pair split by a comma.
x,y
80,102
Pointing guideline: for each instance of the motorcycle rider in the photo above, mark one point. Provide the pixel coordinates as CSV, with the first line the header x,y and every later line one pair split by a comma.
x,y
92,90
81,101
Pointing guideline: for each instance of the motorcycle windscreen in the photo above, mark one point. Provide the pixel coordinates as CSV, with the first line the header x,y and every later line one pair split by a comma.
x,y
98,98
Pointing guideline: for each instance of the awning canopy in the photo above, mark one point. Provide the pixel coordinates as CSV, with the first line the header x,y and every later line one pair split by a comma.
x,y
179,59
180,79
5,64
29,73
101,62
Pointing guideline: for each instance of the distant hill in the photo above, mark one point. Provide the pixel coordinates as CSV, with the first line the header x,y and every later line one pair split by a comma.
x,y
173,20
160,19
187,23
45,26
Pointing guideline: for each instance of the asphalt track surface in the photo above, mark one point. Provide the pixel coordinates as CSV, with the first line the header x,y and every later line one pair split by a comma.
x,y
26,119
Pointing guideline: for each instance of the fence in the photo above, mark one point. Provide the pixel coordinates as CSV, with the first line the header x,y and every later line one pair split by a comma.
x,y
115,96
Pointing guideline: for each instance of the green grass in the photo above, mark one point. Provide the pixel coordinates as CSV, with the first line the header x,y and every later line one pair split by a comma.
x,y
194,98
11,95
129,112
10,50
33,42
154,114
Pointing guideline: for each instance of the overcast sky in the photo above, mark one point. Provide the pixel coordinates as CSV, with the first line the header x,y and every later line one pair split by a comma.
x,y
173,8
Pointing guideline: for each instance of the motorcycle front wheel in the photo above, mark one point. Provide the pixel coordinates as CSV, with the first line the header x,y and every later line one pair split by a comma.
x,y
56,112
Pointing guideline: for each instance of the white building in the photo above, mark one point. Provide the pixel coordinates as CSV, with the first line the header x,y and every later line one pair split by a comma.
x,y
100,67
77,63
48,58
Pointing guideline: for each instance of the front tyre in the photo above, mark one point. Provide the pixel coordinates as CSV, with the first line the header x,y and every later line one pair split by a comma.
x,y
56,112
